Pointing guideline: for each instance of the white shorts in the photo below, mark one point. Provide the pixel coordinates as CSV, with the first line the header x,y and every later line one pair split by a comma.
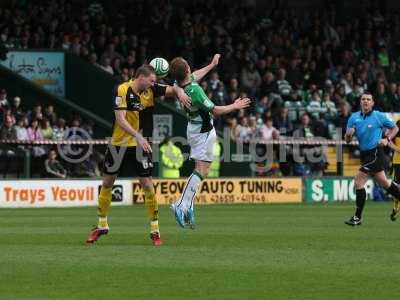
x,y
201,145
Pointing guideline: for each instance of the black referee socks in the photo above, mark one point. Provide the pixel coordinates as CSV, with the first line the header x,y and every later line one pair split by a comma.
x,y
361,196
394,190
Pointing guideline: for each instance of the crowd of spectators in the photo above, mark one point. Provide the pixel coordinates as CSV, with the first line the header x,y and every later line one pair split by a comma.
x,y
41,123
294,65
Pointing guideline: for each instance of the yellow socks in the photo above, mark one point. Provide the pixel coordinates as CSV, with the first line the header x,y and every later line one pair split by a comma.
x,y
102,223
396,204
104,206
154,226
152,208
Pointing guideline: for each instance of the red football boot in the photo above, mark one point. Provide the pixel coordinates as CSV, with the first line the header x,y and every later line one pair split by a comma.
x,y
95,234
155,237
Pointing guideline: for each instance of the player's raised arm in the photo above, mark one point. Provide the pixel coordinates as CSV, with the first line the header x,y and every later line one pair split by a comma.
x,y
120,117
199,74
204,103
177,91
240,103
171,91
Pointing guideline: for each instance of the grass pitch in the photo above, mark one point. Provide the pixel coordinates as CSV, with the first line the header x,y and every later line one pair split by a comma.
x,y
236,252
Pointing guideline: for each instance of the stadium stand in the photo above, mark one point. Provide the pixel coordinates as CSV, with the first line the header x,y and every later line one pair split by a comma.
x,y
291,63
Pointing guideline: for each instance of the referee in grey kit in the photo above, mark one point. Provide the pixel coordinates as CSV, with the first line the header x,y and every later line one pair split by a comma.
x,y
368,126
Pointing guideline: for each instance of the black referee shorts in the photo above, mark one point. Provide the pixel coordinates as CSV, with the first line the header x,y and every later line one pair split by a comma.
x,y
131,163
372,161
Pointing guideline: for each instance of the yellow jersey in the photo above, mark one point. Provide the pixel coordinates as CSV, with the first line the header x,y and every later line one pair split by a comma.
x,y
396,155
139,111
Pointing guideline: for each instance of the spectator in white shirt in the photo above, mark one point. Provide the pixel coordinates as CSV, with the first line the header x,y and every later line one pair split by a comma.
x,y
267,131
244,131
21,129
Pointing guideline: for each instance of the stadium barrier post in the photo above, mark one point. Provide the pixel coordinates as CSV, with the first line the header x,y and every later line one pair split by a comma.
x,y
27,163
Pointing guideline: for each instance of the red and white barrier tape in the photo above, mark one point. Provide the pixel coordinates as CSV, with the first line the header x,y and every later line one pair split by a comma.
x,y
323,142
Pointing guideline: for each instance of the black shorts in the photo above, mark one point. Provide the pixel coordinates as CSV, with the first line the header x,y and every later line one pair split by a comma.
x,y
396,171
373,161
128,164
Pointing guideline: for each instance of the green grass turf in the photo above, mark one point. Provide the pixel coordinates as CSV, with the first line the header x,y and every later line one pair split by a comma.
x,y
236,252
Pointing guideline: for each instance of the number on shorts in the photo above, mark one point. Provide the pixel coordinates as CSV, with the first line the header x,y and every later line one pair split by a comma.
x,y
145,164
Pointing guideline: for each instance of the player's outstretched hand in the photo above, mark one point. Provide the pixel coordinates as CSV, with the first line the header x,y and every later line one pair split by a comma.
x,y
241,103
143,143
185,100
215,59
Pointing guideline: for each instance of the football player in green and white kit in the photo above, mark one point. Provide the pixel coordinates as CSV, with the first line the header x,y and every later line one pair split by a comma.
x,y
201,134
